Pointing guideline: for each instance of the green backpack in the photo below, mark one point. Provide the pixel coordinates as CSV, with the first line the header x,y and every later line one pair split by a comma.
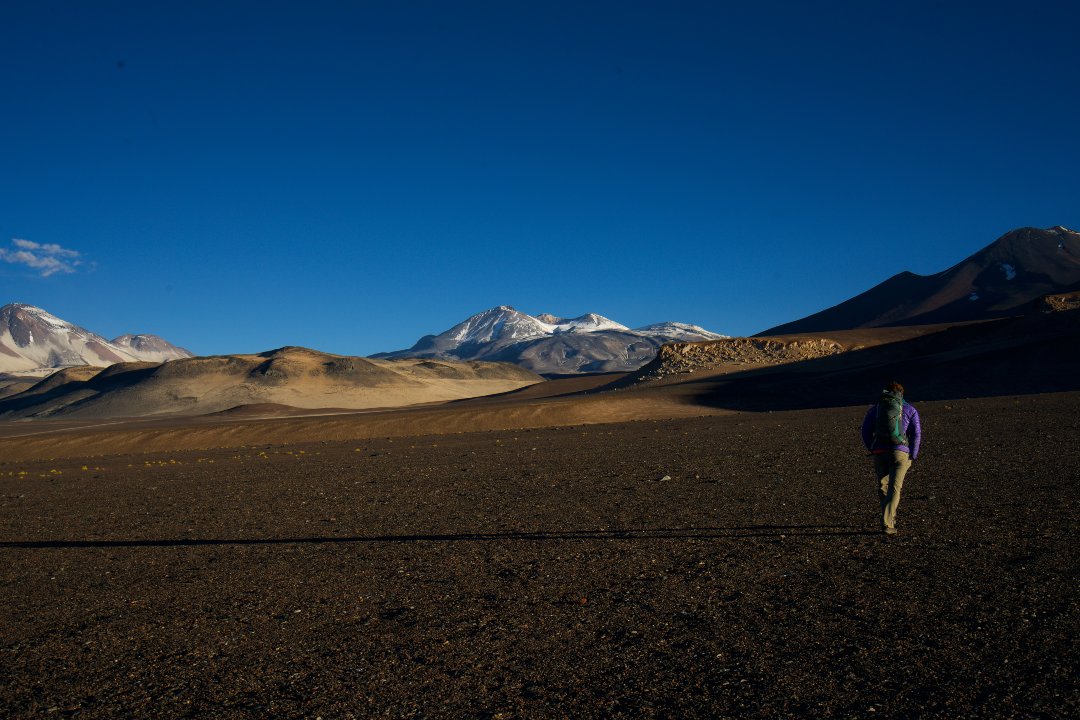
x,y
890,416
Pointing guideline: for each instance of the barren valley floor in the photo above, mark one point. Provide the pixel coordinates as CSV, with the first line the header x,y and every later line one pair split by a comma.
x,y
552,573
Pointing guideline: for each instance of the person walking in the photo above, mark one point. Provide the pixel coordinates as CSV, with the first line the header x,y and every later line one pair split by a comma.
x,y
892,434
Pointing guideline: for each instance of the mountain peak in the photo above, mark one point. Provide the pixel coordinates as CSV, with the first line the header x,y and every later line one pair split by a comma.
x,y
9,311
499,323
999,280
589,322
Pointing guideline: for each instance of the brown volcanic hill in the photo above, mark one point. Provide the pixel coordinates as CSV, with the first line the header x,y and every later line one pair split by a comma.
x,y
66,378
997,281
291,376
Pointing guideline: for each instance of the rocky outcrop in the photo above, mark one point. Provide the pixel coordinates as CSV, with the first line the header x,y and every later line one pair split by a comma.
x,y
1058,303
677,358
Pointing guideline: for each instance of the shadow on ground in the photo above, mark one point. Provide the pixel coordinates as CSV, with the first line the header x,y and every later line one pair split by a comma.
x,y
747,531
1015,356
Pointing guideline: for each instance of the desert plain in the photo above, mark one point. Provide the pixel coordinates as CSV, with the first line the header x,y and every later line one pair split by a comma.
x,y
599,546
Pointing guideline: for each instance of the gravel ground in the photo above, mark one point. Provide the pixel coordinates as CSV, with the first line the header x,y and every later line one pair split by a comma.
x,y
554,573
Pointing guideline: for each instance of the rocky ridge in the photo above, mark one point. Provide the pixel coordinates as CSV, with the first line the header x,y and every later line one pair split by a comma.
x,y
681,358
1058,303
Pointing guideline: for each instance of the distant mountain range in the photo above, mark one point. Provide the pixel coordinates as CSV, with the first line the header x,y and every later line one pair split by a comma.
x,y
547,344
999,280
1002,279
33,341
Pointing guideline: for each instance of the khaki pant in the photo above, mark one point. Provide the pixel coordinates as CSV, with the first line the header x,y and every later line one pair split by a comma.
x,y
891,467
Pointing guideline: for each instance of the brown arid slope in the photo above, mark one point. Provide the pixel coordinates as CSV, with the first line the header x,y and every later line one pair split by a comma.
x,y
37,386
553,403
14,384
291,376
718,567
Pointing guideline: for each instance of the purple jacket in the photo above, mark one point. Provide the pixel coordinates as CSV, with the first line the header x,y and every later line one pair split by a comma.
x,y
909,426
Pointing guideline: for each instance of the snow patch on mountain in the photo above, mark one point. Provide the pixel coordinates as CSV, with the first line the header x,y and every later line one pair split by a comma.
x,y
498,323
589,322
683,332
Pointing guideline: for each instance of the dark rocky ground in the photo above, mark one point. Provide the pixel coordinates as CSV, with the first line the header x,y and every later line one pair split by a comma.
x,y
551,574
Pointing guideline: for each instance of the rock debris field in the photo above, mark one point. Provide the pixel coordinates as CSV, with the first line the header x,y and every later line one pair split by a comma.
x,y
676,358
553,573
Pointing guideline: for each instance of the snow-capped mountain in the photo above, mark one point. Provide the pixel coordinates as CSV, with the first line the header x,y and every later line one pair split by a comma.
x,y
504,324
34,341
678,332
550,344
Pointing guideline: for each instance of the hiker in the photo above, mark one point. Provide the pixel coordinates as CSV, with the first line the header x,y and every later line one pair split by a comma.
x,y
892,433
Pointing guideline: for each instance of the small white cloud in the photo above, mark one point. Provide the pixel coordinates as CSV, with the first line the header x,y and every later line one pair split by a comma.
x,y
47,248
48,258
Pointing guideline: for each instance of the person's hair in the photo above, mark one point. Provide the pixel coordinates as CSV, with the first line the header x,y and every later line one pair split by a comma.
x,y
895,387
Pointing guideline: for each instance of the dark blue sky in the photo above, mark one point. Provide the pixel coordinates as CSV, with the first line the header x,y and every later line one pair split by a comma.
x,y
237,176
